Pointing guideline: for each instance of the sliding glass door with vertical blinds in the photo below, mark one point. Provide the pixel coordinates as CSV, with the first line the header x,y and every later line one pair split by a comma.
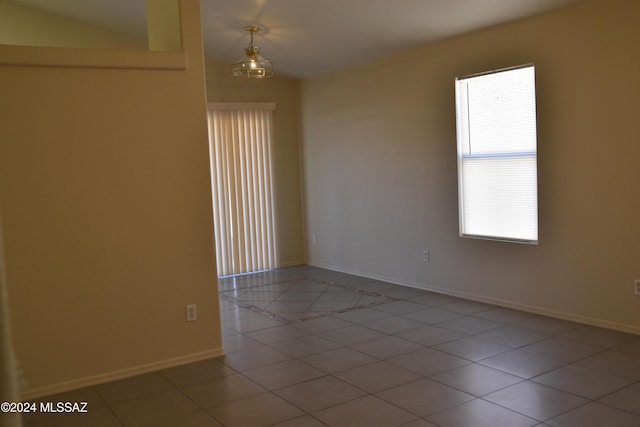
x,y
240,138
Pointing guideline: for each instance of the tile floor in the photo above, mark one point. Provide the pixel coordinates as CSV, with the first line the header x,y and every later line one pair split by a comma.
x,y
311,347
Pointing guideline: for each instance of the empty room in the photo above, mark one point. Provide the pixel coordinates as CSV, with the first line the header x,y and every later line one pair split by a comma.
x,y
298,213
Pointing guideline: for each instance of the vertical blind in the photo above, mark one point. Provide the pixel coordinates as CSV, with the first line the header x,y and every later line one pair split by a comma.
x,y
240,138
497,155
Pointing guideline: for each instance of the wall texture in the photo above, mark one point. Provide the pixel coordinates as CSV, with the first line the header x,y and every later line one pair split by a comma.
x,y
379,155
284,91
20,25
106,200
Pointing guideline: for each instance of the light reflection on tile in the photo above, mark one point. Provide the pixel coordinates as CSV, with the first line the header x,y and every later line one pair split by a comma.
x,y
535,400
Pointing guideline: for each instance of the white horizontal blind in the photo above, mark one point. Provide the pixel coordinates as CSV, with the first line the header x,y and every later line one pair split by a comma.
x,y
497,155
240,138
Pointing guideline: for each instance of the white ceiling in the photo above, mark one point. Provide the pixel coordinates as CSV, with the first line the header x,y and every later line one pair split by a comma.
x,y
305,38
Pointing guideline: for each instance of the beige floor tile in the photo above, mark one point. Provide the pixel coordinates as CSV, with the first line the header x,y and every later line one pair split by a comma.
x,y
363,315
277,334
393,324
151,410
479,413
132,388
468,307
433,299
236,342
352,335
193,373
562,349
304,346
512,336
101,417
522,364
283,374
469,325
424,397
338,360
256,411
431,316
582,381
222,390
421,422
627,399
504,315
377,376
306,421
428,361
320,325
596,415
472,348
535,400
367,411
430,335
321,393
631,347
89,395
252,358
400,307
476,379
253,324
614,363
598,336
192,419
547,325
386,347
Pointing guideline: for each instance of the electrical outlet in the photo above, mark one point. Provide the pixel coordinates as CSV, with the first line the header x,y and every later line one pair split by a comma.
x,y
425,256
636,287
192,313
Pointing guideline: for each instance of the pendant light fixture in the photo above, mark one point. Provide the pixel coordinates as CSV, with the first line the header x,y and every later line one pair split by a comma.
x,y
252,65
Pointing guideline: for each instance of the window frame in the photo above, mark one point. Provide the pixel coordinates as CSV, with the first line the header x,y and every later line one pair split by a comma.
x,y
463,137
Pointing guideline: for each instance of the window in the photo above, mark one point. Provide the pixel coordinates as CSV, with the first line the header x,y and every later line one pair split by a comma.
x,y
241,172
497,155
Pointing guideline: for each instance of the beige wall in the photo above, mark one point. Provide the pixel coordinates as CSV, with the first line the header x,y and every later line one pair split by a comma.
x,y
106,202
284,91
380,167
20,25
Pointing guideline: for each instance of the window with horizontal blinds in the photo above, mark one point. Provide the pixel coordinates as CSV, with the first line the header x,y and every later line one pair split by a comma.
x,y
497,155
240,138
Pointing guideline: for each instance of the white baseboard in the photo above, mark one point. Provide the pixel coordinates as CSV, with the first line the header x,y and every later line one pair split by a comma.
x,y
34,393
603,323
